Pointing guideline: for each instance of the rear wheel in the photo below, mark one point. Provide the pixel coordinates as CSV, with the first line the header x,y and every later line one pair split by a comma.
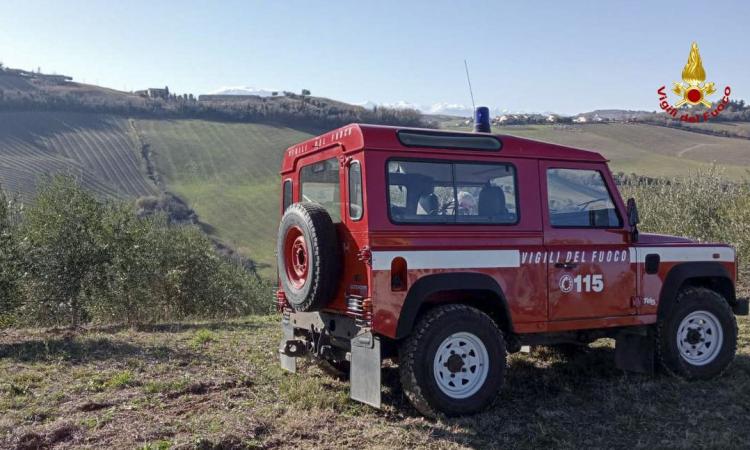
x,y
453,362
307,256
698,338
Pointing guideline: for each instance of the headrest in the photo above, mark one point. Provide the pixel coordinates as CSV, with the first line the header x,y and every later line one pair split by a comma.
x,y
492,201
428,204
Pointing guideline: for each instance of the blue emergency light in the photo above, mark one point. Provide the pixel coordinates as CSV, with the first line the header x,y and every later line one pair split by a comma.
x,y
482,120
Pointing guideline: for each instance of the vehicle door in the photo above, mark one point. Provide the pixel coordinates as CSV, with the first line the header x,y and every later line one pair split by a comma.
x,y
589,272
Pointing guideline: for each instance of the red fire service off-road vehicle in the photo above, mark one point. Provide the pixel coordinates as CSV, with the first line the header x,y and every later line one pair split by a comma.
x,y
446,251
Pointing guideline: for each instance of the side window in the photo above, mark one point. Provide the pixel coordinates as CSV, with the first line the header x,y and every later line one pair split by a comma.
x,y
320,183
420,192
486,193
287,195
436,192
356,204
579,198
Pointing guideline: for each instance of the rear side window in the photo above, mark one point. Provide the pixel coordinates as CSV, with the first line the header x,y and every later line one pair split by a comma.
x,y
445,192
319,183
356,204
579,198
287,195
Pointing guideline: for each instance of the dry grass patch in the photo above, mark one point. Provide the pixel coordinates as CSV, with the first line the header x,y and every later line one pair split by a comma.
x,y
154,388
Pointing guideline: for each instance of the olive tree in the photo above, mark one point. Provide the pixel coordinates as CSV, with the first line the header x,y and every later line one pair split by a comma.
x,y
65,251
11,268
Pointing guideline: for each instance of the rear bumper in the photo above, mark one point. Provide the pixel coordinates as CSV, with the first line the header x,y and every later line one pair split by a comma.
x,y
741,307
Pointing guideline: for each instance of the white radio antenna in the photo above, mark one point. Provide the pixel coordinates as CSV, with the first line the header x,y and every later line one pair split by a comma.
x,y
471,92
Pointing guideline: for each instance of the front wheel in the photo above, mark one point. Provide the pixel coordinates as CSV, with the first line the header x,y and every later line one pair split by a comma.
x,y
698,339
453,362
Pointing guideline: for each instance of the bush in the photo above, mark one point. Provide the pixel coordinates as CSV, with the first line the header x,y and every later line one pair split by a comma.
x,y
65,251
10,260
77,259
702,205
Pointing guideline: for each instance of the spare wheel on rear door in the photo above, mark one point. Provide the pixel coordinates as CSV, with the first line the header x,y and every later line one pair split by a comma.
x,y
308,256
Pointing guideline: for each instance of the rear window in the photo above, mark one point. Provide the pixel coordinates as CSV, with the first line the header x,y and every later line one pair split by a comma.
x,y
356,203
446,192
437,139
319,183
287,195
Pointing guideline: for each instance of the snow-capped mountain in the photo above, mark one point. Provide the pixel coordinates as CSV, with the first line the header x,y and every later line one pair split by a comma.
x,y
245,90
367,105
450,109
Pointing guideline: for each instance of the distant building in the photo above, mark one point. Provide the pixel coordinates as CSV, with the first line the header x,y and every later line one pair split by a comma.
x,y
57,79
580,119
551,118
158,92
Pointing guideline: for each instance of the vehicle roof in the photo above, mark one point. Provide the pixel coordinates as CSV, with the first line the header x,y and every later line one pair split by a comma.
x,y
355,136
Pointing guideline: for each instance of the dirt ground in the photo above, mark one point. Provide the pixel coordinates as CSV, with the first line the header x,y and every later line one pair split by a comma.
x,y
218,386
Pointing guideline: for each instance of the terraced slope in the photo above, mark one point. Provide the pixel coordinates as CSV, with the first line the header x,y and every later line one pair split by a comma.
x,y
101,150
228,173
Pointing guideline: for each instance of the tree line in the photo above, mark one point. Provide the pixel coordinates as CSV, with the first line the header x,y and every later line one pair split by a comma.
x,y
290,109
68,258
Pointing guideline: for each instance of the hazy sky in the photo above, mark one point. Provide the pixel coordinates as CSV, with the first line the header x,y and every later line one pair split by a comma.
x,y
533,56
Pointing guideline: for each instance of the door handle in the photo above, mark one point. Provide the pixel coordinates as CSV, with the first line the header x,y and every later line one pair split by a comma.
x,y
566,265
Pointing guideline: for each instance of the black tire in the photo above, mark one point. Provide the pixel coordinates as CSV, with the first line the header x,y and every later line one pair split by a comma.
x,y
417,360
696,300
309,288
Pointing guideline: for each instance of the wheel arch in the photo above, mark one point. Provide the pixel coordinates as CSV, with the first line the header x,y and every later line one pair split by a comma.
x,y
711,275
470,288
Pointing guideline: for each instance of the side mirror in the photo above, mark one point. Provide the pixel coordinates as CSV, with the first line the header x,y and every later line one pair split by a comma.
x,y
633,218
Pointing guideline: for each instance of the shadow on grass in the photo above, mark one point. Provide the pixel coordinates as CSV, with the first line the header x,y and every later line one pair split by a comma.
x,y
179,327
83,350
587,401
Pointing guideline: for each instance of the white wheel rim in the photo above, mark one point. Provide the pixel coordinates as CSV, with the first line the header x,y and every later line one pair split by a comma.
x,y
700,338
461,365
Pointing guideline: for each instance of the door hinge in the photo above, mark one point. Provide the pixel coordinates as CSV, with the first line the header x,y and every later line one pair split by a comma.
x,y
365,255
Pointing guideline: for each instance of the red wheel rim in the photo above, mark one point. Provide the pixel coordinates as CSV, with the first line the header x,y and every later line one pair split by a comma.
x,y
296,259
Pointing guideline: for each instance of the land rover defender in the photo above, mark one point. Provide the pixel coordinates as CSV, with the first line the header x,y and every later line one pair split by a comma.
x,y
445,251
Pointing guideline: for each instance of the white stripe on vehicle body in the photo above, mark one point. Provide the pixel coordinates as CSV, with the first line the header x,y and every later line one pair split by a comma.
x,y
479,259
686,254
448,259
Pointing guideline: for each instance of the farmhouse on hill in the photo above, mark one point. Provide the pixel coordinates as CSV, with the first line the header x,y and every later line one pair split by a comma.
x,y
154,92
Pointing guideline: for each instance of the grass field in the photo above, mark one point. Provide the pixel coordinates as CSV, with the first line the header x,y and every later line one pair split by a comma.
x,y
99,149
228,173
643,149
218,386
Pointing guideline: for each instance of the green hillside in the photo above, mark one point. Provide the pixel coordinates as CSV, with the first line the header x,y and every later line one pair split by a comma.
x,y
99,149
228,173
643,149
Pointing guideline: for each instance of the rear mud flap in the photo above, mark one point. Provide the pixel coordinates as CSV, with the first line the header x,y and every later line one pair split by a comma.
x,y
635,352
288,363
364,374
